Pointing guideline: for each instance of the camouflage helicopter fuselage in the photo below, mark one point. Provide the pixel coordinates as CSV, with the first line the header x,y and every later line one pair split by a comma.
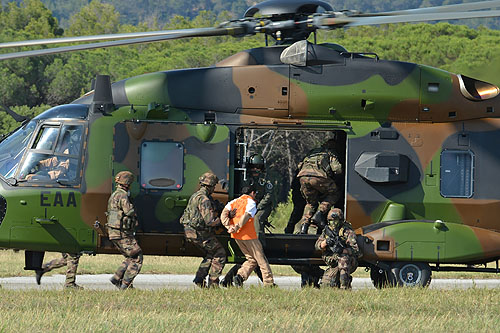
x,y
420,166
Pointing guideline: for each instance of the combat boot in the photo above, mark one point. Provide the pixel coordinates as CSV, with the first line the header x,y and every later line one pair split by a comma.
x,y
73,286
319,219
304,228
38,277
125,286
213,283
238,280
199,282
117,283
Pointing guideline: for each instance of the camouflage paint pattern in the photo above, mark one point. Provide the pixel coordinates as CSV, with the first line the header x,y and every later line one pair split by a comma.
x,y
400,119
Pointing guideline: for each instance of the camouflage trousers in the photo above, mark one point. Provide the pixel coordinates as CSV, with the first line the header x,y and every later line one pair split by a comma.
x,y
317,190
70,260
340,268
215,256
132,264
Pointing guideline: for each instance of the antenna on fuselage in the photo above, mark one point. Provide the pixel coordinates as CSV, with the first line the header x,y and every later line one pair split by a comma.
x,y
103,95
17,117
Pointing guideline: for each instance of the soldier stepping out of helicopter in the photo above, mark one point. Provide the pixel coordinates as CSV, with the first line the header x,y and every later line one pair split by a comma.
x,y
316,175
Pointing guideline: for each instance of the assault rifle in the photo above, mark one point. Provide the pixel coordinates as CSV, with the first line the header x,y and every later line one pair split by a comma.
x,y
333,241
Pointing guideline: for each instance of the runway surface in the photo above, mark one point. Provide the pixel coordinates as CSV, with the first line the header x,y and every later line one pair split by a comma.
x,y
171,281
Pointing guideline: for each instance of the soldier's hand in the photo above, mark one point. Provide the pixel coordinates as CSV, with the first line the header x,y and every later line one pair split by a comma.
x,y
232,213
330,242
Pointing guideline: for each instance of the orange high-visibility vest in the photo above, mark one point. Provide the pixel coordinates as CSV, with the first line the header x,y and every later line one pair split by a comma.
x,y
248,230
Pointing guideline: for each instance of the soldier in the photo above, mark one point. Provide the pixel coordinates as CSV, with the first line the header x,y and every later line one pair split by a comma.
x,y
340,250
199,218
317,184
68,259
257,178
122,221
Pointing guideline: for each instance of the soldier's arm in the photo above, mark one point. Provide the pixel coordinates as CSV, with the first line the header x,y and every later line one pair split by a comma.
x,y
265,201
335,165
320,243
208,213
127,207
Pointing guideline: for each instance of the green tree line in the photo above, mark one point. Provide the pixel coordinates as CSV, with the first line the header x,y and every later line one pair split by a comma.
x,y
33,84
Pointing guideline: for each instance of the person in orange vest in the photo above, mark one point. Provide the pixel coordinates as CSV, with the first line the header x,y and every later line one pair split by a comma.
x,y
242,229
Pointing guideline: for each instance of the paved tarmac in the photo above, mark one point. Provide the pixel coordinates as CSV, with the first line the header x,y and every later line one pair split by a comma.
x,y
171,281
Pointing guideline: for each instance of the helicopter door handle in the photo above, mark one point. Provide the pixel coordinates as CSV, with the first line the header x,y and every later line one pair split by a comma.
x,y
51,220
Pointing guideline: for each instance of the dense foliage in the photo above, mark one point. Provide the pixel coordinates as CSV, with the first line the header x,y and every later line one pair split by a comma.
x,y
57,79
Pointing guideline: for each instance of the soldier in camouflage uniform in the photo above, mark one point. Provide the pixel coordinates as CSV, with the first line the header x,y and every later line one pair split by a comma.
x,y
340,255
317,185
68,259
199,218
122,221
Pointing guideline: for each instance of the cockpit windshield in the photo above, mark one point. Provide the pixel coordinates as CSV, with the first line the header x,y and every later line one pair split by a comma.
x,y
13,147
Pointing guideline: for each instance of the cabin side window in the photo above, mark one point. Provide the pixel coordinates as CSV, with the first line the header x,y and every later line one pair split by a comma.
x,y
457,167
162,165
54,155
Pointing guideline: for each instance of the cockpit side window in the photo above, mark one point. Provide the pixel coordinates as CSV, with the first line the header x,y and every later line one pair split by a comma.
x,y
12,149
54,155
46,138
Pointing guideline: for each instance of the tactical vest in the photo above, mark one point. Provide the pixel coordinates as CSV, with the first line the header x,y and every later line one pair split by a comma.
x,y
114,214
192,217
317,164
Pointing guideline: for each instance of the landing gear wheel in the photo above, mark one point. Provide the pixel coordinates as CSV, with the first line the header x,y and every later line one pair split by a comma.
x,y
411,274
380,277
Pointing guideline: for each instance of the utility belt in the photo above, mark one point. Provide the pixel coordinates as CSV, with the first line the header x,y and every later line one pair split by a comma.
x,y
197,227
196,234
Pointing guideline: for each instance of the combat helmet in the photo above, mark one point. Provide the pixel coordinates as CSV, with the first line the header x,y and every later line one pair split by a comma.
x,y
256,161
124,178
208,179
335,215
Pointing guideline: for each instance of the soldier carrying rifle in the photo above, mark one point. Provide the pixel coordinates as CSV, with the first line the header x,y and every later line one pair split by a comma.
x,y
340,250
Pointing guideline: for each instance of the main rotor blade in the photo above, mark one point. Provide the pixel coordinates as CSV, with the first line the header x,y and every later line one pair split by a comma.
x,y
374,20
76,39
204,32
463,7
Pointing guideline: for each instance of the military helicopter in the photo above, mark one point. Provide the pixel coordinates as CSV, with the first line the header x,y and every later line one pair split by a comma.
x,y
414,140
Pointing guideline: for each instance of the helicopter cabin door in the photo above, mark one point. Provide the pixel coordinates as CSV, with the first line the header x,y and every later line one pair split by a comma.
x,y
168,158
